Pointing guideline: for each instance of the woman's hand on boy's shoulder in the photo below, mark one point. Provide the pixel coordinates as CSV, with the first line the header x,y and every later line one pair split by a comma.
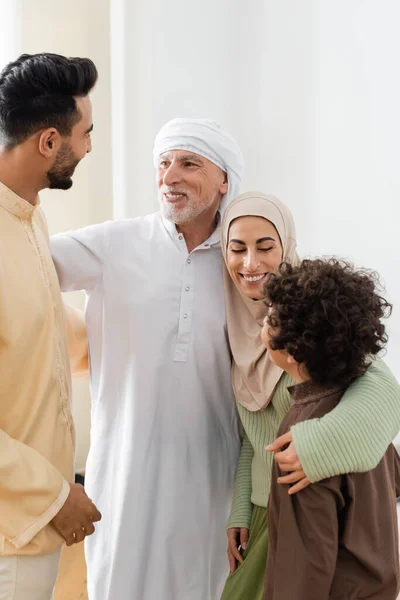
x,y
285,456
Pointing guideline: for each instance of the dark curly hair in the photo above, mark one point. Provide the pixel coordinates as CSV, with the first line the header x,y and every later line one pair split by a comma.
x,y
39,91
327,315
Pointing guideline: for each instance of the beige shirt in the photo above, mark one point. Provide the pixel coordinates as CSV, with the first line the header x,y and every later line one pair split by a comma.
x,y
36,427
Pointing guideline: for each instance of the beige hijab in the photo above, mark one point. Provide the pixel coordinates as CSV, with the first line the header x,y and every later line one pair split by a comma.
x,y
254,375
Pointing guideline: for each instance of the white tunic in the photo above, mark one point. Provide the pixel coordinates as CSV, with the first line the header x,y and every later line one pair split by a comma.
x,y
164,437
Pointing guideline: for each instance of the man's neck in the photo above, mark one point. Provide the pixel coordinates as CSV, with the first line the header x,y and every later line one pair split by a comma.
x,y
19,178
197,232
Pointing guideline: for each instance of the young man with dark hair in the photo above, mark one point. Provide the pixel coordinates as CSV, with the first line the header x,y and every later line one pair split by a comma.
x,y
337,538
45,125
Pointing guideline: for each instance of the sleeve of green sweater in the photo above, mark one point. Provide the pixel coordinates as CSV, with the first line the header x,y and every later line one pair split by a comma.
x,y
242,507
355,435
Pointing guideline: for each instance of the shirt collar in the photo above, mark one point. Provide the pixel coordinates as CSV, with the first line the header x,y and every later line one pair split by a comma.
x,y
213,240
16,205
309,391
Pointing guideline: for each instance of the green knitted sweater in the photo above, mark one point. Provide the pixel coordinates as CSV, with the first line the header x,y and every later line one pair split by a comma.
x,y
351,438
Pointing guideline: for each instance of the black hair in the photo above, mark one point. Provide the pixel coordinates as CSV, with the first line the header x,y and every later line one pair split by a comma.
x,y
327,315
39,91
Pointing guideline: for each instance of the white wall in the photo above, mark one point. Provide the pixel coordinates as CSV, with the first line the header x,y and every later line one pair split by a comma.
x,y
356,141
9,30
308,87
77,28
250,70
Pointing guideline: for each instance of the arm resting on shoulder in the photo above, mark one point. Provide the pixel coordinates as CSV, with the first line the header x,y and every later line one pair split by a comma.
x,y
355,435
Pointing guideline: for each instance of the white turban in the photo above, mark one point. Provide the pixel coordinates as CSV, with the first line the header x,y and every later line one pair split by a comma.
x,y
208,139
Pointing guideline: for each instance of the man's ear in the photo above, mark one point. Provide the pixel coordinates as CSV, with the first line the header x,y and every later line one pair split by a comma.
x,y
49,142
290,359
224,186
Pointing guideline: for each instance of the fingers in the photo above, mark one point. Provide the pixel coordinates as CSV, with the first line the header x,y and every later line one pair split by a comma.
x,y
292,477
287,457
92,512
79,535
75,520
95,514
89,528
232,544
84,525
281,441
244,537
294,489
69,538
74,537
232,562
91,515
232,537
236,553
88,524
290,466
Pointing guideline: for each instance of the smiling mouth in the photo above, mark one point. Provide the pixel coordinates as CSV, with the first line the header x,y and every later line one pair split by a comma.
x,y
173,196
253,278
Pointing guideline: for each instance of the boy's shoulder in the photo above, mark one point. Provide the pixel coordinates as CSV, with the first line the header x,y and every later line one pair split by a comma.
x,y
312,401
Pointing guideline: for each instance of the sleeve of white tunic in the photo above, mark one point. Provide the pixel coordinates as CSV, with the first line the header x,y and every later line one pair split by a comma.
x,y
79,257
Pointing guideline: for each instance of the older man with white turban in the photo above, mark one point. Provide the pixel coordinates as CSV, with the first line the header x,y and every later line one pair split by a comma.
x,y
164,439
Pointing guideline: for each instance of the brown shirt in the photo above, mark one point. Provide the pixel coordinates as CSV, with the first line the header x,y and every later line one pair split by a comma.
x,y
338,538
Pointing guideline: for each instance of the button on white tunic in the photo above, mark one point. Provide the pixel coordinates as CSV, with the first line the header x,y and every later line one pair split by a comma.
x,y
164,438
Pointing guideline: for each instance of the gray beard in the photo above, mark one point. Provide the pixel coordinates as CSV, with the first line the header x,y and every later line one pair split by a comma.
x,y
179,216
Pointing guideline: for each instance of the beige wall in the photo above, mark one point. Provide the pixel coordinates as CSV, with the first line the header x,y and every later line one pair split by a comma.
x,y
78,28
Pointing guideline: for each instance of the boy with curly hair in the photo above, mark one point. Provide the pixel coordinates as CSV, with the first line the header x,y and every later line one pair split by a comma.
x,y
338,538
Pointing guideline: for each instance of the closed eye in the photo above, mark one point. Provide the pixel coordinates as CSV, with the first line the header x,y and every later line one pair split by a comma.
x,y
237,250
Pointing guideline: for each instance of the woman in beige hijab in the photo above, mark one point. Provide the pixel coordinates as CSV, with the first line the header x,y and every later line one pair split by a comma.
x,y
257,234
